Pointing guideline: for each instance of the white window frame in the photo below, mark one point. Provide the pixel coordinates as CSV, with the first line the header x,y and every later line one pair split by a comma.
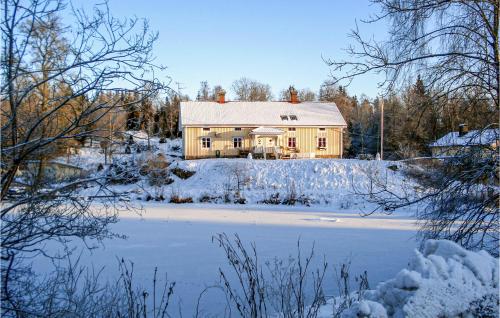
x,y
240,142
288,142
206,141
206,129
237,128
326,142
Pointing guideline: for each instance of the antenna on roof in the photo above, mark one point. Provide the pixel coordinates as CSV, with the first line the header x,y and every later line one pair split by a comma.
x,y
179,88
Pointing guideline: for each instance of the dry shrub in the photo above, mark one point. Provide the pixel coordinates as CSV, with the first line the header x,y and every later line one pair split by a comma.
x,y
291,288
179,200
181,173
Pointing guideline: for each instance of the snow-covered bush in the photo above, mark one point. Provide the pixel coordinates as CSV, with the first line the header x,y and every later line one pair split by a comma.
x,y
445,280
272,199
155,169
291,194
207,198
123,172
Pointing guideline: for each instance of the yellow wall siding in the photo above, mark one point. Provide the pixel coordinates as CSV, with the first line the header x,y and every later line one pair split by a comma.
x,y
221,137
222,140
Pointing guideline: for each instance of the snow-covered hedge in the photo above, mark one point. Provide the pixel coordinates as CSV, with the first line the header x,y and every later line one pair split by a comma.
x,y
445,280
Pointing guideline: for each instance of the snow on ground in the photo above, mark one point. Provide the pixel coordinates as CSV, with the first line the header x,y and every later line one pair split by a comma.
x,y
444,280
325,182
90,157
316,182
178,240
271,216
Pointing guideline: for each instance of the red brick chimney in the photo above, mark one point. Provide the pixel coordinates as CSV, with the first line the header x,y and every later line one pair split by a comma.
x,y
221,96
294,99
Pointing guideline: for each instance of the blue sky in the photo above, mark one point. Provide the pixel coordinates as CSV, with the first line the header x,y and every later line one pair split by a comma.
x,y
275,42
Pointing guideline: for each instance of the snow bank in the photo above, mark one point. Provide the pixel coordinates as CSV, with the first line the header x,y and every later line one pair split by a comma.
x,y
444,280
329,182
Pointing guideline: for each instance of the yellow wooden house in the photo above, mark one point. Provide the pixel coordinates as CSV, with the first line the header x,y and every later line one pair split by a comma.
x,y
290,129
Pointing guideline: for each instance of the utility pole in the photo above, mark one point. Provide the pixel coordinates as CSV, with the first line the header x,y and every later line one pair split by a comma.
x,y
382,128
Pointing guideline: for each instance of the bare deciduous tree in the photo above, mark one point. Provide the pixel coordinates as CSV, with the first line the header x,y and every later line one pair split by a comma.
x,y
453,45
63,72
250,90
305,95
459,195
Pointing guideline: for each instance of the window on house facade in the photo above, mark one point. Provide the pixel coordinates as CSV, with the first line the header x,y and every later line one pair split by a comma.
x,y
237,142
206,142
322,142
292,142
206,129
322,132
284,117
237,129
291,129
293,117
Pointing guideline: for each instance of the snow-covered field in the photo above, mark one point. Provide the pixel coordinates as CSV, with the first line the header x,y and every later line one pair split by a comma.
x,y
178,240
247,197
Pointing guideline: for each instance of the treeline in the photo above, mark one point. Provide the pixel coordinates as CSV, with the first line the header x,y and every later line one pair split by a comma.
x,y
413,118
111,114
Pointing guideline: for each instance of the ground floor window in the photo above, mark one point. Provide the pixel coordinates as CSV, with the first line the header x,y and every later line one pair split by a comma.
x,y
206,142
237,142
292,142
321,142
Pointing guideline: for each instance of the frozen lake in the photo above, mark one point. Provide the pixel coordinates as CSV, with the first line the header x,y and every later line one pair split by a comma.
x,y
178,240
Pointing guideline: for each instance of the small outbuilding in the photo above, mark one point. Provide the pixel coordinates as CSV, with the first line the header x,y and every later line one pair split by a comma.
x,y
455,141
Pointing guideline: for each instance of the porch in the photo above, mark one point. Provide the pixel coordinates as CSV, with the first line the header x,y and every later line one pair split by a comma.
x,y
278,152
267,143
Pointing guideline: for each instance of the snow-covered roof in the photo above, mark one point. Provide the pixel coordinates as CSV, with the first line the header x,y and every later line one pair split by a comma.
x,y
267,131
473,137
277,114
